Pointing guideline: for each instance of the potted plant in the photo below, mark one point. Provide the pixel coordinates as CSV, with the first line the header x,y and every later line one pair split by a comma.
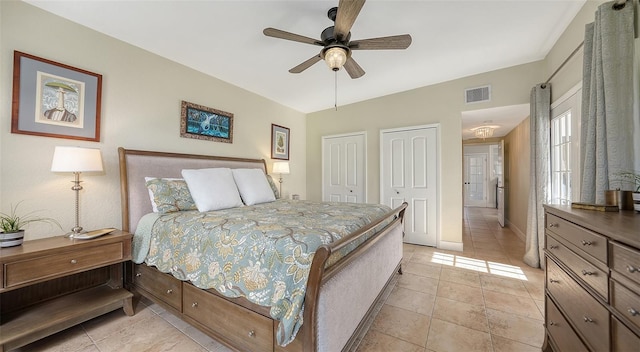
x,y
12,226
634,179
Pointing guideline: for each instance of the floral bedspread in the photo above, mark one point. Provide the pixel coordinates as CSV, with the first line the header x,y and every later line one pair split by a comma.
x,y
261,252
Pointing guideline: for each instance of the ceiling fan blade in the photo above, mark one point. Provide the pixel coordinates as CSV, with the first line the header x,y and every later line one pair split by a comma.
x,y
348,11
383,43
276,33
353,69
305,65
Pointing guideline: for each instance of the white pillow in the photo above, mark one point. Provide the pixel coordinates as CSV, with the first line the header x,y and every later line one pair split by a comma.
x,y
212,189
253,186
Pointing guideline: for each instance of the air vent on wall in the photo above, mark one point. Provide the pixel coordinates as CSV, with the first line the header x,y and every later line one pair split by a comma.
x,y
478,94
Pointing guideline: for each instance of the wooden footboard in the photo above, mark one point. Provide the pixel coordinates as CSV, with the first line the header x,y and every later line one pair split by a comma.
x,y
236,322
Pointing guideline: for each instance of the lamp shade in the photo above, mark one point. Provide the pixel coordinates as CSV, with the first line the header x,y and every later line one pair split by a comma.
x,y
75,159
281,167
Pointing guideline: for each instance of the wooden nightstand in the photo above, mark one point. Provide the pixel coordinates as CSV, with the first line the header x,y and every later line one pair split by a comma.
x,y
51,284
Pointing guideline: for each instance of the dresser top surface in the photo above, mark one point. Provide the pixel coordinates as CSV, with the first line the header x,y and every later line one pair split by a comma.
x,y
622,226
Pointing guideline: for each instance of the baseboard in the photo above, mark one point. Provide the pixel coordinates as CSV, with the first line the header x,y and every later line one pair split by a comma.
x,y
516,230
450,246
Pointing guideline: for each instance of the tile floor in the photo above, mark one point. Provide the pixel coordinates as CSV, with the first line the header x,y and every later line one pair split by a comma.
x,y
482,299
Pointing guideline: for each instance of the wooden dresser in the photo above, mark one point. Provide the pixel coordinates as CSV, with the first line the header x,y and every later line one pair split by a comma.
x,y
592,281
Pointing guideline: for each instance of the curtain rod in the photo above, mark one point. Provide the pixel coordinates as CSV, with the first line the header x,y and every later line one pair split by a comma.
x,y
619,4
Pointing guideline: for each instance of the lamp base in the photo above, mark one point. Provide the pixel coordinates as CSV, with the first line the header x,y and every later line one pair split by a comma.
x,y
75,231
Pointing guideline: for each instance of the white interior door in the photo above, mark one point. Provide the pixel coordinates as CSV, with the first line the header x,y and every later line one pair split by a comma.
x,y
344,168
500,174
409,170
475,180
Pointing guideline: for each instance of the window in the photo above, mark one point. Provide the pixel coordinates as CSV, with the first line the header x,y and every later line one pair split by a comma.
x,y
565,148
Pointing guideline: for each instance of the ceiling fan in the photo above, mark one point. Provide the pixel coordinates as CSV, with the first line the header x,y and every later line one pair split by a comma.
x,y
336,40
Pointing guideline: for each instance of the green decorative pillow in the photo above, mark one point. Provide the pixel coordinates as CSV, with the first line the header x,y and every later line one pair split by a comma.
x,y
273,186
169,195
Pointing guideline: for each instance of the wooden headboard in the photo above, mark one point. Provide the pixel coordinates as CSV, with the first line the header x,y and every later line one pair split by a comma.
x,y
135,165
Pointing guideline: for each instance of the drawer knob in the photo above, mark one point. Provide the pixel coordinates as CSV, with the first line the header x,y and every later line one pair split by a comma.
x,y
553,281
138,274
633,312
252,333
585,272
553,246
587,319
552,323
586,243
554,225
73,261
631,269
194,304
169,291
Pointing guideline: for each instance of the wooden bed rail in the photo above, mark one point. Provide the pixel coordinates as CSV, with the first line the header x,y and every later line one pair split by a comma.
x,y
319,274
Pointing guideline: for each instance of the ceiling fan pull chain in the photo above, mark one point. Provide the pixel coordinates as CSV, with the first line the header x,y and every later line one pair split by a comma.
x,y
336,90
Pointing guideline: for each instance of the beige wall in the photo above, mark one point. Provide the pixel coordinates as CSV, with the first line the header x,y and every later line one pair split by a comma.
x,y
140,109
441,104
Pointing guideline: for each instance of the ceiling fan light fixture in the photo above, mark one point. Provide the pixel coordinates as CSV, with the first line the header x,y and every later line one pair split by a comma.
x,y
335,57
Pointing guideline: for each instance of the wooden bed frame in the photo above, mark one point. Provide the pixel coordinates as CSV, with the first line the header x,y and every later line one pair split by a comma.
x,y
236,322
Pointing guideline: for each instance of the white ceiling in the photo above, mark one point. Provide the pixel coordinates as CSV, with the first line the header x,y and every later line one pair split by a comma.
x,y
451,39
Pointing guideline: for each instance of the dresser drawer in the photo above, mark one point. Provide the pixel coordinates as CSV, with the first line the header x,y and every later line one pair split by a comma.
x,y
623,339
560,331
584,240
248,330
590,274
163,286
587,315
626,261
56,265
626,302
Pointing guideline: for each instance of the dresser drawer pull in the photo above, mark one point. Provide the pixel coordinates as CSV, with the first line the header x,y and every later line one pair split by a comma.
x,y
169,291
633,312
554,225
73,261
554,246
138,274
587,319
194,304
552,323
585,272
631,269
553,281
252,333
586,243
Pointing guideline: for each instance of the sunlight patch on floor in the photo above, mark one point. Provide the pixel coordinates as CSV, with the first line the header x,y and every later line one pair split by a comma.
x,y
483,266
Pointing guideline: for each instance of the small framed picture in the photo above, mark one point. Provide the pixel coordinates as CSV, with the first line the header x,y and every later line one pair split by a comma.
x,y
51,99
201,122
279,142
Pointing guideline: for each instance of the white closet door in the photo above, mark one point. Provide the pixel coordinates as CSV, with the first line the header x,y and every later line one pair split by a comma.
x,y
409,173
344,168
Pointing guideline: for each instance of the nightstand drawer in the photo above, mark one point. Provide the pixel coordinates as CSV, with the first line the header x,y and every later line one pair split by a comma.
x,y
584,240
45,267
164,286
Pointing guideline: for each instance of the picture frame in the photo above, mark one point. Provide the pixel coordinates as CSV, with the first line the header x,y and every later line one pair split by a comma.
x,y
280,139
52,99
201,122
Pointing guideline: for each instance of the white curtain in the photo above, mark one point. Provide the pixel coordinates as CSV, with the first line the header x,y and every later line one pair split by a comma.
x,y
540,179
608,118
